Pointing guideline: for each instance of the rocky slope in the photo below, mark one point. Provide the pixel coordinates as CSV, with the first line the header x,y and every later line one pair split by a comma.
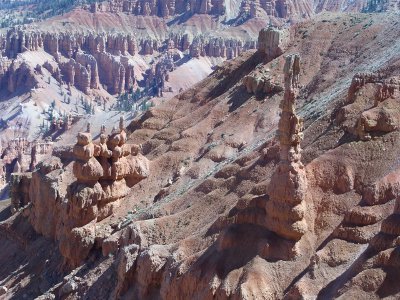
x,y
108,57
87,67
229,209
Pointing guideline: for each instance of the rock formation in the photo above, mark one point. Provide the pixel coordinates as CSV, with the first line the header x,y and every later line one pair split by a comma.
x,y
81,57
19,190
164,8
19,155
388,237
104,173
16,74
382,115
218,47
261,82
273,42
33,163
286,207
89,60
210,222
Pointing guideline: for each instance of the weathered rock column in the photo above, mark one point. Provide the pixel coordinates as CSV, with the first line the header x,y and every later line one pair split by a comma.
x,y
79,215
273,42
287,190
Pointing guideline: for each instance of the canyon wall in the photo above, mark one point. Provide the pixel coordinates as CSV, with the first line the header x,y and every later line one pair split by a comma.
x,y
91,61
162,8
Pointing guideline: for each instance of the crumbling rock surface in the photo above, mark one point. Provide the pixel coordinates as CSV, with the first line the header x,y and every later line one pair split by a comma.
x,y
271,43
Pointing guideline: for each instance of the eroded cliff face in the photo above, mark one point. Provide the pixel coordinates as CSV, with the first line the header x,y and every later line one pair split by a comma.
x,y
236,9
16,74
91,61
84,61
275,8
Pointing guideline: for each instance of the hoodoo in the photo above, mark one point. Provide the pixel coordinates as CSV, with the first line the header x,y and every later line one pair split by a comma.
x,y
287,190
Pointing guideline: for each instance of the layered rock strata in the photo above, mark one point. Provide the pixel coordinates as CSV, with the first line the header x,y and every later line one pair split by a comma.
x,y
84,60
16,74
277,8
17,157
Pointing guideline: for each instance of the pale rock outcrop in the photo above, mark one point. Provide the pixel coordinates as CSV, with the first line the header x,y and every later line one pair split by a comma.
x,y
383,190
277,8
18,41
377,120
90,63
219,47
86,168
273,42
164,8
46,192
20,75
114,74
5,64
261,82
82,72
79,56
386,88
77,75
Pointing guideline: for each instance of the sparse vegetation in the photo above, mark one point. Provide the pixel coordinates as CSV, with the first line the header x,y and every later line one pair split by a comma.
x,y
28,11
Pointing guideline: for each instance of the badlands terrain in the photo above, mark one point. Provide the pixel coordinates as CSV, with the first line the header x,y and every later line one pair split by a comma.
x,y
202,150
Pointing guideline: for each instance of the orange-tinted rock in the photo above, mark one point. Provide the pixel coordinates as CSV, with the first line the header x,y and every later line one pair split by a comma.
x,y
86,167
76,206
383,190
286,207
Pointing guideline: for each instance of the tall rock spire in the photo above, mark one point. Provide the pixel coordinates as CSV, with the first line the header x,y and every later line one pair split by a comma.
x,y
287,190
